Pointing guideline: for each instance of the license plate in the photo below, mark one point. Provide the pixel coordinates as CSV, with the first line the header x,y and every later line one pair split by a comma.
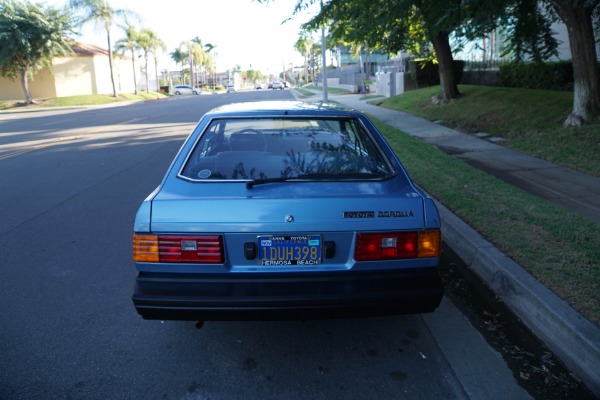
x,y
289,250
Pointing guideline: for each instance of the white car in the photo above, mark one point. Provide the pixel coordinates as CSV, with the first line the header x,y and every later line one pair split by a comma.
x,y
230,88
277,85
186,89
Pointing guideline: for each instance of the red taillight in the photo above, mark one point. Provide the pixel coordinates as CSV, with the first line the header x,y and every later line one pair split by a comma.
x,y
178,249
397,245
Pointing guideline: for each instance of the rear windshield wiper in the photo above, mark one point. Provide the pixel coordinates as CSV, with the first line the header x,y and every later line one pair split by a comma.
x,y
342,175
250,184
316,176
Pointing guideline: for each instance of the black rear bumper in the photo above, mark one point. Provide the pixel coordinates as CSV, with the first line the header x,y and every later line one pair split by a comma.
x,y
286,296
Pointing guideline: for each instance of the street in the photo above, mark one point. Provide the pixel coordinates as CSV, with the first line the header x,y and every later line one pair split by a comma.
x,y
71,181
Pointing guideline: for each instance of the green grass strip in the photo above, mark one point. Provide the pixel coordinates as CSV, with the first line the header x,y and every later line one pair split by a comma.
x,y
529,120
83,100
558,247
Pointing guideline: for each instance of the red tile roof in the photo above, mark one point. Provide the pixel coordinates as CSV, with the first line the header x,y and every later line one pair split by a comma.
x,y
85,49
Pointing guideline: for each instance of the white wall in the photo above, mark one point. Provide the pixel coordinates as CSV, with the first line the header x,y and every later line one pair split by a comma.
x,y
384,82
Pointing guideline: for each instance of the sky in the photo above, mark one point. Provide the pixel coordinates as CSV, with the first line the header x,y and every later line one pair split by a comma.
x,y
244,32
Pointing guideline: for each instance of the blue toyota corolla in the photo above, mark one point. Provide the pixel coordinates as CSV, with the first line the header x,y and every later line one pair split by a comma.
x,y
285,210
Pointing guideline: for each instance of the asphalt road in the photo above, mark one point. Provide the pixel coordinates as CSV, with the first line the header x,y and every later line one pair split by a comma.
x,y
70,183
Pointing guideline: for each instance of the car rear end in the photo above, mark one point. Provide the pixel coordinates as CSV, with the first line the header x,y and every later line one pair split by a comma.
x,y
218,242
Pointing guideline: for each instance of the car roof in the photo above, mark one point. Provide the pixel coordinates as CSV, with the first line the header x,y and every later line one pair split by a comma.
x,y
282,108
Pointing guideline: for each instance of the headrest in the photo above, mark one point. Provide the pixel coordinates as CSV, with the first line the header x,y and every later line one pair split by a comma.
x,y
246,141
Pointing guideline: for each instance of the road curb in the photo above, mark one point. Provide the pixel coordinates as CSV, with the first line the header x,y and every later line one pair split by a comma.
x,y
573,338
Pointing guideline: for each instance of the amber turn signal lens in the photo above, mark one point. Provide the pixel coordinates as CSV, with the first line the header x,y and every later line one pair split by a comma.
x,y
145,248
429,244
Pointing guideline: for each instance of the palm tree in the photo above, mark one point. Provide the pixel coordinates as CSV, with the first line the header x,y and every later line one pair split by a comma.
x,y
144,42
165,75
188,58
209,49
150,42
179,57
195,55
130,42
155,44
208,63
103,15
303,46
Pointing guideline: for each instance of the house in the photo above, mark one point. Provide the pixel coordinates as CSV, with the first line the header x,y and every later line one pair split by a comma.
x,y
83,73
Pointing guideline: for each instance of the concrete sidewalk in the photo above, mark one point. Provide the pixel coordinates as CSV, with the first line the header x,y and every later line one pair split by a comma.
x,y
577,192
567,333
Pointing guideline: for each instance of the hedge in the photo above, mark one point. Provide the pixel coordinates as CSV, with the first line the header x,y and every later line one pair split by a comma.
x,y
426,73
551,75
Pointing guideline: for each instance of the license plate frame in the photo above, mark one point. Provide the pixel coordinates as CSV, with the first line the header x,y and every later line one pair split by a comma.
x,y
290,250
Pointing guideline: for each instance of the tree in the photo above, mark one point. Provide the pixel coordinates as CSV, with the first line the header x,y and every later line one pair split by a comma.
x,y
31,35
396,25
179,57
208,64
529,29
130,43
156,44
103,15
144,43
303,46
314,60
149,42
420,25
197,55
188,58
210,49
252,75
165,76
578,17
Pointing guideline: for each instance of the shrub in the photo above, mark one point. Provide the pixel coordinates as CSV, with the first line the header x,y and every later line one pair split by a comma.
x,y
426,73
549,76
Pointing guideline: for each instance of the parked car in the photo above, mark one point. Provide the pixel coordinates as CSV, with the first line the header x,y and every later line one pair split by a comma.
x,y
186,89
258,86
277,85
230,88
285,210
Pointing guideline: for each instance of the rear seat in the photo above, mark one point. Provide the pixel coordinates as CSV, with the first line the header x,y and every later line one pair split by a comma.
x,y
227,164
264,164
287,145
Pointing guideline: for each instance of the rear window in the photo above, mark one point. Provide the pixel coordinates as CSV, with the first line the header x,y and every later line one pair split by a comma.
x,y
272,148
